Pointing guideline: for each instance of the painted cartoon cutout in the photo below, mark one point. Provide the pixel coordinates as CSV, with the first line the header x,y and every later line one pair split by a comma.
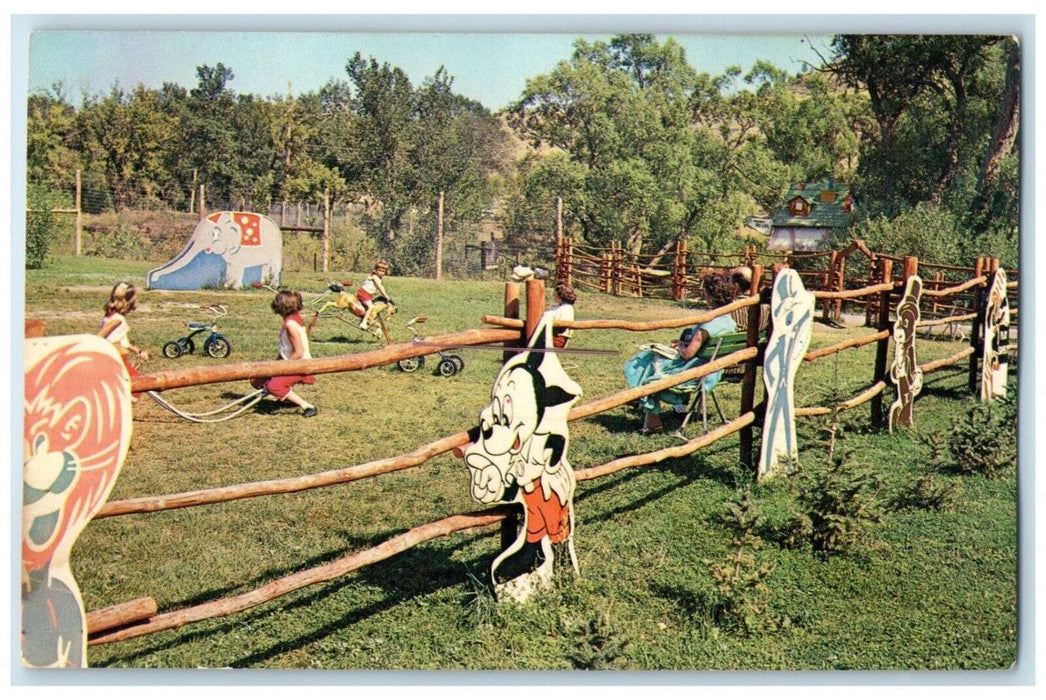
x,y
77,429
792,309
226,249
518,454
995,363
905,372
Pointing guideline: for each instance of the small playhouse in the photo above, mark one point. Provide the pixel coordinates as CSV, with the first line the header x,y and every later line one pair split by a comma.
x,y
227,249
811,213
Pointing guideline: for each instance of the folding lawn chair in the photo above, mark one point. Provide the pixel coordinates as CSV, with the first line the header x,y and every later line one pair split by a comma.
x,y
696,393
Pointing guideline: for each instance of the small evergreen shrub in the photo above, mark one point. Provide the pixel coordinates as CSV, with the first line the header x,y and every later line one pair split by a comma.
x,y
984,441
925,494
743,595
596,644
836,507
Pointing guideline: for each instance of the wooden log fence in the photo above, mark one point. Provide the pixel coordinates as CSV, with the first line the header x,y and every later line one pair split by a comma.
x,y
129,620
948,290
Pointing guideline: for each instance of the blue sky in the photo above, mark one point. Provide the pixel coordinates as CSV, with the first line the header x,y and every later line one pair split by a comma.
x,y
489,67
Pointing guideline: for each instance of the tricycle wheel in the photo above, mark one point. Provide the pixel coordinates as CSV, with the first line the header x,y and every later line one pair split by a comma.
x,y
411,364
187,346
172,349
217,346
459,361
447,367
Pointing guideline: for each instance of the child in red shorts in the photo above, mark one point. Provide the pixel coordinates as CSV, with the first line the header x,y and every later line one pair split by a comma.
x,y
294,345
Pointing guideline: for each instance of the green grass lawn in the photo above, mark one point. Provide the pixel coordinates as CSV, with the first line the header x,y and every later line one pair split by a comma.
x,y
928,589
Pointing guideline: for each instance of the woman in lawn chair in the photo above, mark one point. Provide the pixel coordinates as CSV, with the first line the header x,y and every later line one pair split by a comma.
x,y
652,364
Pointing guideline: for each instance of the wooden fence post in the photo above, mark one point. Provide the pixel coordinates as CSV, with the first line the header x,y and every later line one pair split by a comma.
x,y
79,223
535,307
570,261
510,525
938,279
677,277
203,202
829,281
326,229
439,238
748,382
617,271
559,219
882,347
977,328
512,295
911,266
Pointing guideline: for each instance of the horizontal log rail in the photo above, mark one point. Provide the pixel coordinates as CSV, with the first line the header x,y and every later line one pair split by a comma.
x,y
175,379
845,344
852,293
861,398
633,325
951,291
946,361
582,256
673,452
294,484
585,284
120,615
310,577
396,545
944,320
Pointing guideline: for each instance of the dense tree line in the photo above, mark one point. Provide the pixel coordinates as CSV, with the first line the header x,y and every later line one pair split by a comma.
x,y
641,147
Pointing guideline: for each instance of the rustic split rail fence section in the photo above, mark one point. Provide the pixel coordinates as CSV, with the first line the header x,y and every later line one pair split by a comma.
x,y
897,302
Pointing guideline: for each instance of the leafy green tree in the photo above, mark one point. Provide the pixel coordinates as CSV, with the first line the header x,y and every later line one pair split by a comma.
x,y
214,146
50,129
39,226
621,111
381,134
123,137
926,231
937,100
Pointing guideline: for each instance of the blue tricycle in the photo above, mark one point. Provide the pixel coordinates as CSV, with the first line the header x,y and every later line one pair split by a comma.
x,y
214,345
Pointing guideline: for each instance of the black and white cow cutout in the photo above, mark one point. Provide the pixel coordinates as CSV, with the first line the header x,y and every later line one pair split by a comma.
x,y
518,454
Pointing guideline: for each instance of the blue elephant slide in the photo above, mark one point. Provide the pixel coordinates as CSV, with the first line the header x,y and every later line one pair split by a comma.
x,y
227,249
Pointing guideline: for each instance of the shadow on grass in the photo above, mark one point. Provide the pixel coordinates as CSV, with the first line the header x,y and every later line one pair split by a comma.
x,y
953,393
396,576
697,607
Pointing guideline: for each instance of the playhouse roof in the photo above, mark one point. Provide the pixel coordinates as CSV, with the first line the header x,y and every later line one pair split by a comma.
x,y
828,204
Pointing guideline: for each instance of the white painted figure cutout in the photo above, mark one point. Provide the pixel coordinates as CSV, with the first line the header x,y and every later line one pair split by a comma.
x,y
995,359
905,372
518,454
792,310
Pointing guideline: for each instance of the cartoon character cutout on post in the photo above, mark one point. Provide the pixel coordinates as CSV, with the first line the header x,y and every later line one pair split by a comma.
x,y
995,360
77,430
792,310
905,372
518,453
